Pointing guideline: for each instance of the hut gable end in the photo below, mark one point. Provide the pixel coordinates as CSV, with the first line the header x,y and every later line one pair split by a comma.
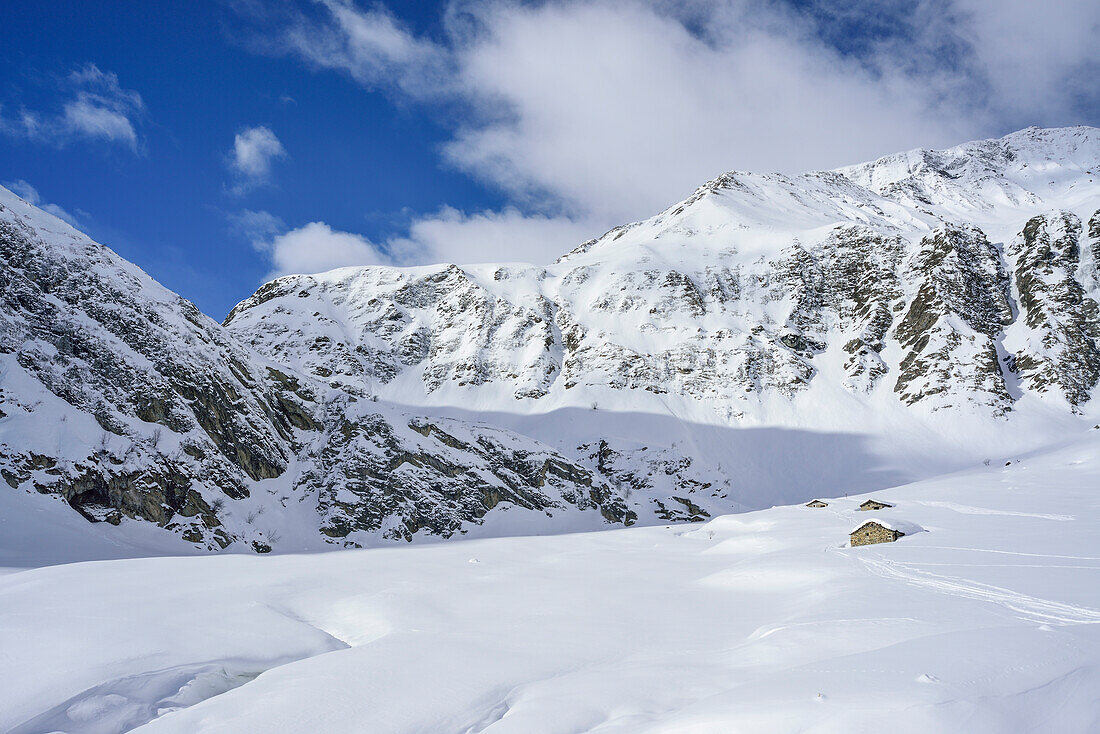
x,y
874,505
817,503
872,532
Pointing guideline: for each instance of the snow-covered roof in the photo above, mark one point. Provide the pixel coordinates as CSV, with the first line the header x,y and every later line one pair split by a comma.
x,y
902,526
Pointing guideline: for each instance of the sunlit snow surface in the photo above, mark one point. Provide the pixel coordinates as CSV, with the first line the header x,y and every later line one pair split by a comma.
x,y
761,622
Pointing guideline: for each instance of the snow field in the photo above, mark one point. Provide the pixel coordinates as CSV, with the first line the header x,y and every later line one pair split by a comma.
x,y
765,621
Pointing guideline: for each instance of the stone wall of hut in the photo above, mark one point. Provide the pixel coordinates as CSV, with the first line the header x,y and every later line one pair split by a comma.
x,y
870,534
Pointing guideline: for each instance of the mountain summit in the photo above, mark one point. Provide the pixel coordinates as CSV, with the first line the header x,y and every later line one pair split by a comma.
x,y
769,338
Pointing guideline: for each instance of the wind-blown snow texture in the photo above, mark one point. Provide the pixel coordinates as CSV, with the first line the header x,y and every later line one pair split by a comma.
x,y
769,339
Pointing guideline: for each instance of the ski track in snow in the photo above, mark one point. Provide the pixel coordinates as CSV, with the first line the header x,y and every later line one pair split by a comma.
x,y
1029,607
764,621
969,510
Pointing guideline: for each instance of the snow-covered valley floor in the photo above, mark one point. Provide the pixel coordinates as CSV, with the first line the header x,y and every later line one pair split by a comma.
x,y
762,622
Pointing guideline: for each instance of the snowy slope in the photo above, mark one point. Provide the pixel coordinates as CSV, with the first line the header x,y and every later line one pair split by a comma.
x,y
926,310
893,279
983,621
1030,171
768,339
120,399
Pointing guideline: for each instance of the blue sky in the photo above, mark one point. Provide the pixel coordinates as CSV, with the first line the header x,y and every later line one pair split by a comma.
x,y
218,143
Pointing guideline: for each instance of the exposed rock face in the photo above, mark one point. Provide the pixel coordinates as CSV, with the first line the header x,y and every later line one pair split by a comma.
x,y
179,410
1089,272
373,475
730,333
864,273
661,482
951,327
557,333
760,300
123,400
442,323
1061,353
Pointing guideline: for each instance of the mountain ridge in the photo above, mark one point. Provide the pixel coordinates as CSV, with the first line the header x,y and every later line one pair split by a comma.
x,y
700,252
767,338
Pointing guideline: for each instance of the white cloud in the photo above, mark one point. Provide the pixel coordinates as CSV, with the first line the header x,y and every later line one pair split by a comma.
x,y
606,111
509,235
617,111
317,247
30,194
86,118
1040,61
371,45
254,151
446,236
96,108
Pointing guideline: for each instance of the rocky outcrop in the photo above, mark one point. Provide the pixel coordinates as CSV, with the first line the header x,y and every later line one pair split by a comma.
x,y
866,294
951,327
1089,270
1061,351
166,387
662,483
439,476
761,299
122,400
443,324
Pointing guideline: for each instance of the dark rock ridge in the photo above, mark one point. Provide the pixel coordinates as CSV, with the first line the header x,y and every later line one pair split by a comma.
x,y
951,327
1061,353
123,400
936,283
375,476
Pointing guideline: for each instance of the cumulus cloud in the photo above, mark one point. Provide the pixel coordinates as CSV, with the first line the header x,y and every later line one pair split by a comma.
x,y
96,107
448,235
30,194
312,248
509,235
369,43
589,114
317,247
255,150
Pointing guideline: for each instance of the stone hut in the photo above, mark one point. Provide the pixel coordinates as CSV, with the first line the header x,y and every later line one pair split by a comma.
x,y
874,531
817,503
874,505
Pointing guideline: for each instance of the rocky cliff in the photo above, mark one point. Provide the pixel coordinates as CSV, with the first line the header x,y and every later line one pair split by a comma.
x,y
124,401
623,383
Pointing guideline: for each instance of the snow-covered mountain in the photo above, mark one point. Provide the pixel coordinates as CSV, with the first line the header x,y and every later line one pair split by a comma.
x,y
905,275
122,399
767,339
